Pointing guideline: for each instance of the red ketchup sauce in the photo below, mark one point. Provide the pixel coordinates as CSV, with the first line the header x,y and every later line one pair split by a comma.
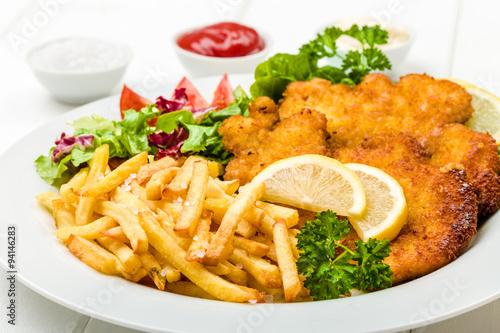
x,y
226,39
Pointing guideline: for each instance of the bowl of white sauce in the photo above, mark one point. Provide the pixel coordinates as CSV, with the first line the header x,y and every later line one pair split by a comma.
x,y
79,70
399,42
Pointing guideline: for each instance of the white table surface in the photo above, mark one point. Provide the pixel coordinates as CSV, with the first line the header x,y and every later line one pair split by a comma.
x,y
454,39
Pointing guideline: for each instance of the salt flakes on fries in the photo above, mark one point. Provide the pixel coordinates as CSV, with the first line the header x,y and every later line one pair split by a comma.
x,y
175,225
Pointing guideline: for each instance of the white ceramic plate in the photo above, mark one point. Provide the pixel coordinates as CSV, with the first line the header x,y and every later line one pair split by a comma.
x,y
45,265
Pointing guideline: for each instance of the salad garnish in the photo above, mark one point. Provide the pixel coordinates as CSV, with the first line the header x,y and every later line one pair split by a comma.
x,y
167,127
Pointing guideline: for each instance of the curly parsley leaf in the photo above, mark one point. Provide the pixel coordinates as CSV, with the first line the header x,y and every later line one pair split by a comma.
x,y
273,75
328,265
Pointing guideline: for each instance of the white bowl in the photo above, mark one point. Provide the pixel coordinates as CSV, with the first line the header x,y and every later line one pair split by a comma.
x,y
75,85
200,65
396,53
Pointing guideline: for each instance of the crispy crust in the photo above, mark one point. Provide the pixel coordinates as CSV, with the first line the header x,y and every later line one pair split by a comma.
x,y
430,110
442,206
261,139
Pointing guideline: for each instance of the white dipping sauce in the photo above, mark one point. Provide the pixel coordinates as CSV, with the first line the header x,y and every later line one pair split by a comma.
x,y
397,36
79,55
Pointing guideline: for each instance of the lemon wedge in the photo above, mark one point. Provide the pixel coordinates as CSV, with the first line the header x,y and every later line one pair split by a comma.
x,y
315,183
386,209
486,116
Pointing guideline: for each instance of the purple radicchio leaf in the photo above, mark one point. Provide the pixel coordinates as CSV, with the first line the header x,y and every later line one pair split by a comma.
x,y
66,144
177,103
169,144
200,113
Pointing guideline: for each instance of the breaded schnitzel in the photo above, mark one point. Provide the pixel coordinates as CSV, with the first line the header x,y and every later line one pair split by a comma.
x,y
442,207
412,130
262,138
430,110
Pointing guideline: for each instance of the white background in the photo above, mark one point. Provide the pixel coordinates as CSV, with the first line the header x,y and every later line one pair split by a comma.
x,y
456,39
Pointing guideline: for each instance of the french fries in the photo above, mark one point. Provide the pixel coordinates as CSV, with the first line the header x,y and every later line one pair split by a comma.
x,y
286,261
173,225
220,246
193,205
198,274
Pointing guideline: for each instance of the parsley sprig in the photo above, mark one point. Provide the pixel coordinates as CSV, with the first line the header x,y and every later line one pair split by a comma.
x,y
273,75
332,269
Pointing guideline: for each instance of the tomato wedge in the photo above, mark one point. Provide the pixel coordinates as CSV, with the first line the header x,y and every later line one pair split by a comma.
x,y
195,100
223,96
131,100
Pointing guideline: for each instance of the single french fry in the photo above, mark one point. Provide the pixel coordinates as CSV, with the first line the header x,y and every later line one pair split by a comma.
x,y
46,198
252,247
171,273
167,224
126,198
272,250
62,216
215,169
216,196
220,269
220,246
236,274
293,243
127,257
185,226
89,231
229,186
92,254
98,165
154,187
116,233
199,275
148,170
201,239
179,185
128,221
140,192
117,176
68,190
286,261
188,289
151,265
266,273
276,212
136,277
278,295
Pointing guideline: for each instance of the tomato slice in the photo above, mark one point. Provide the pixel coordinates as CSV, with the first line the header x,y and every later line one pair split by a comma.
x,y
195,100
131,100
223,96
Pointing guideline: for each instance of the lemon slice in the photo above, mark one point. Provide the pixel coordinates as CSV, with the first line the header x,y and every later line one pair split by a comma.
x,y
315,183
386,209
486,116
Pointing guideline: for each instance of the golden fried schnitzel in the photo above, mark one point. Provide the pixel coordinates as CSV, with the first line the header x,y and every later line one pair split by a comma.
x,y
442,207
430,110
411,129
262,139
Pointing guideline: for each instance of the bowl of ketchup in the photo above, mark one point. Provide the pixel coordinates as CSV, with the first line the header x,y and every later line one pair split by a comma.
x,y
225,47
